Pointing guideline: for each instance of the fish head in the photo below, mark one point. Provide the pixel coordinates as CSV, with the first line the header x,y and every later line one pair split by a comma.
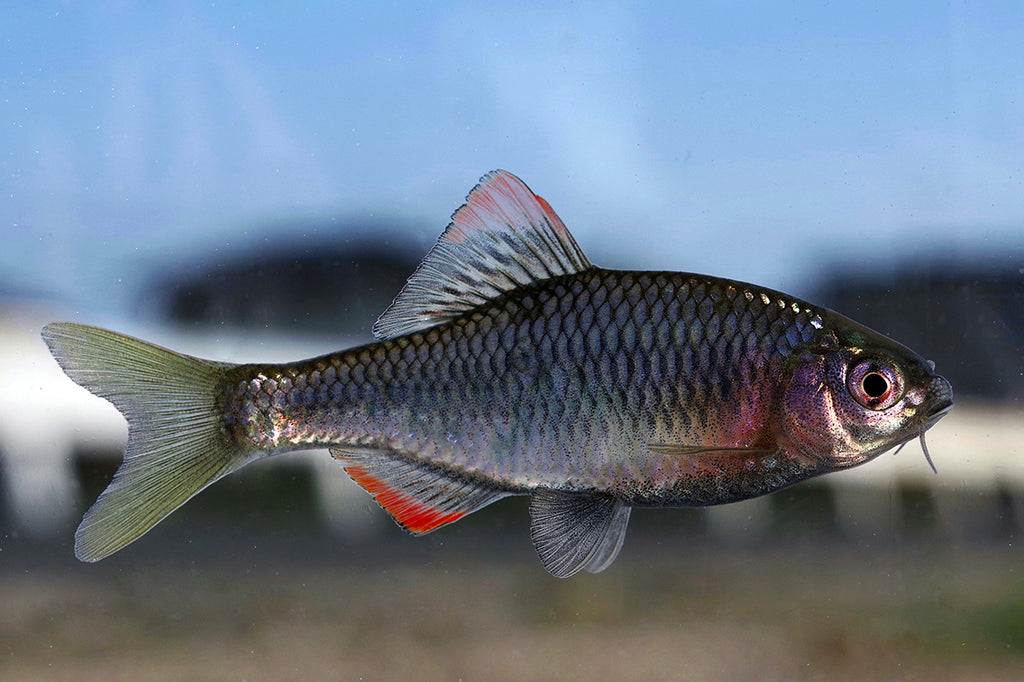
x,y
853,394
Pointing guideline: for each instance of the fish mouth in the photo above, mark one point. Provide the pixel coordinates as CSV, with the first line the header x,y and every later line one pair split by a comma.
x,y
942,404
936,414
942,401
939,411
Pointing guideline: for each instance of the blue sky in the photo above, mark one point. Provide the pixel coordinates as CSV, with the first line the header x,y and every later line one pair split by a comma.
x,y
762,143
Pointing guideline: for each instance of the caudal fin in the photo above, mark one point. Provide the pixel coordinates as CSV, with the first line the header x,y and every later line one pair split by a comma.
x,y
176,443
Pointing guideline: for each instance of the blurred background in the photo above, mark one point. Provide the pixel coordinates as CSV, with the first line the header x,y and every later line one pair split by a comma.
x,y
254,182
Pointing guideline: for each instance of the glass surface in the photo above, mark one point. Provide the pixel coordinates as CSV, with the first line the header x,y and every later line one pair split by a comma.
x,y
254,182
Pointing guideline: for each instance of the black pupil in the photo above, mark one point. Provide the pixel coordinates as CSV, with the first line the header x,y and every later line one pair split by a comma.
x,y
875,385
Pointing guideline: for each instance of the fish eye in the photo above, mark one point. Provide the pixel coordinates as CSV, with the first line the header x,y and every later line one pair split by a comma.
x,y
875,385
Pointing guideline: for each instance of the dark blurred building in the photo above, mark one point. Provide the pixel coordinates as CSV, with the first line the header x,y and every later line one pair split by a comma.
x,y
330,287
966,316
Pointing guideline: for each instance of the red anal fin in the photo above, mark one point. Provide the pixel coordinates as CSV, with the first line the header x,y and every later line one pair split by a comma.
x,y
418,497
414,516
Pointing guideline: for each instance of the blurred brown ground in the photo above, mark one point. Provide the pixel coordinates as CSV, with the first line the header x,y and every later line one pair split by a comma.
x,y
249,599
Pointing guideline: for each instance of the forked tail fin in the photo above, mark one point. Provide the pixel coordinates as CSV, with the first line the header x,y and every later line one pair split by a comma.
x,y
176,441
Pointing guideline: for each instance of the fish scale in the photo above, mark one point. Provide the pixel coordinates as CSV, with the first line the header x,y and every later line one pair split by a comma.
x,y
575,363
510,365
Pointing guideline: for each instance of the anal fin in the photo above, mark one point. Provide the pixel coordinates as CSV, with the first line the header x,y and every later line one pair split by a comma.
x,y
420,498
576,531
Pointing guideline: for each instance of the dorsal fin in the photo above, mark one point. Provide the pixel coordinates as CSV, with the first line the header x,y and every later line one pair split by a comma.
x,y
502,238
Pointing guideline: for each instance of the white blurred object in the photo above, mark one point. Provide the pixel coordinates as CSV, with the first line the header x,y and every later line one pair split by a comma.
x,y
45,417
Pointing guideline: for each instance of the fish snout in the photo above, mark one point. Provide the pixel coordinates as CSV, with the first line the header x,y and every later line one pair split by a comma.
x,y
941,398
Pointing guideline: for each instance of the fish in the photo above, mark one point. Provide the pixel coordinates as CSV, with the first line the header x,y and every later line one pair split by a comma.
x,y
507,365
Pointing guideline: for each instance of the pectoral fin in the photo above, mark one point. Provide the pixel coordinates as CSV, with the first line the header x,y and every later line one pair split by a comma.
x,y
419,497
575,531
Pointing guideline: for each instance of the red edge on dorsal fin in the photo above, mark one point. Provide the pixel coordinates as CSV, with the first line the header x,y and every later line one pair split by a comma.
x,y
504,237
412,515
501,198
552,217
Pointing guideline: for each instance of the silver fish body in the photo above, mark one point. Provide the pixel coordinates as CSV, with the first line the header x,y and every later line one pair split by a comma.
x,y
571,385
510,365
